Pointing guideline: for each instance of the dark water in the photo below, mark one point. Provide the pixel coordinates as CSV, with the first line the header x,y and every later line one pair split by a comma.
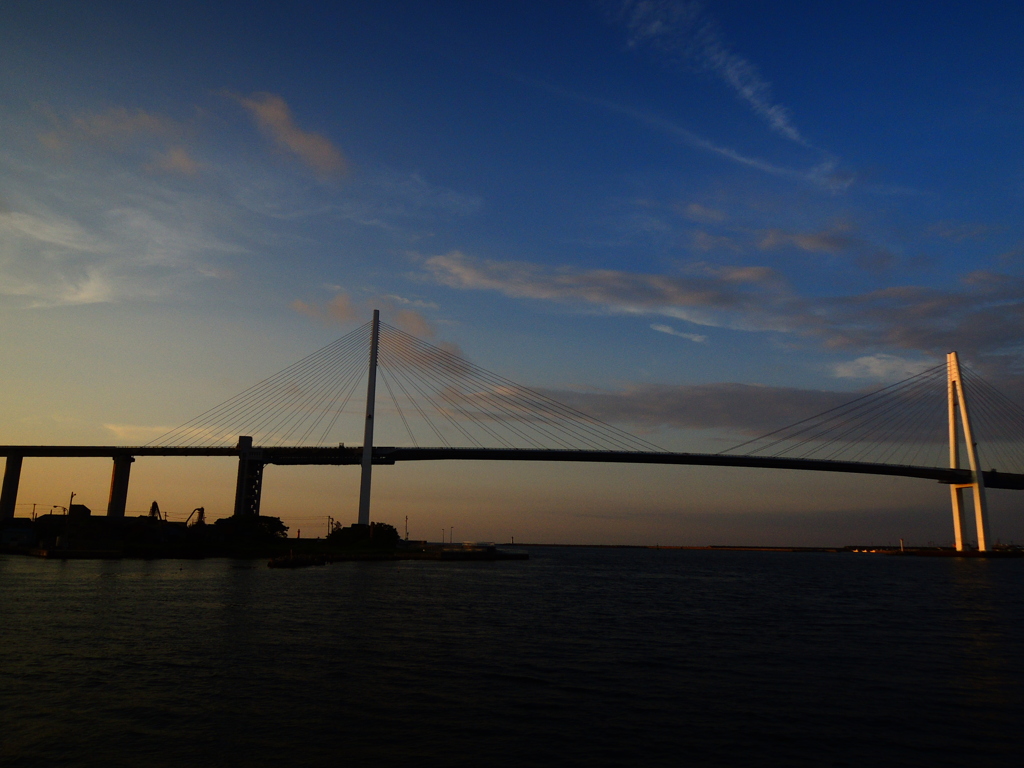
x,y
576,657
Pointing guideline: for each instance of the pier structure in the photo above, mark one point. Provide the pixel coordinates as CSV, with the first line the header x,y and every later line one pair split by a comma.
x,y
249,485
119,485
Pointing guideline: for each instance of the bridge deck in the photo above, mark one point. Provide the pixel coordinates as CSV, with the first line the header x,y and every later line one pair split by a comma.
x,y
352,455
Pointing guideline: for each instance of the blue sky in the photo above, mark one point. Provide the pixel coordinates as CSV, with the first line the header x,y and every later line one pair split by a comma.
x,y
592,196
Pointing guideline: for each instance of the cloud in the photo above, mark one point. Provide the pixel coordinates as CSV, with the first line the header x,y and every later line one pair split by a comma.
x,y
1013,254
108,251
51,230
403,349
135,433
840,238
53,141
403,301
703,241
404,205
684,31
958,233
833,240
176,160
718,299
983,316
340,309
701,214
123,131
412,322
699,142
745,408
880,367
419,197
695,337
274,117
118,128
118,123
824,174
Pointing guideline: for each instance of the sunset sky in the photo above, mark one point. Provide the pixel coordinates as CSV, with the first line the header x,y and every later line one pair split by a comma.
x,y
617,202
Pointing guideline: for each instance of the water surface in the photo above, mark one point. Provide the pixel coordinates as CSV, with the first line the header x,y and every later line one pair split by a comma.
x,y
575,657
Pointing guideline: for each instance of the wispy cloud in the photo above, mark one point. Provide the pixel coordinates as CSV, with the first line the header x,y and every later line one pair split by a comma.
x,y
274,117
959,232
983,315
701,213
683,29
713,296
118,123
880,367
834,239
706,242
378,198
121,131
339,309
824,174
125,204
412,322
176,160
51,230
135,433
839,238
406,302
107,251
745,408
342,309
694,337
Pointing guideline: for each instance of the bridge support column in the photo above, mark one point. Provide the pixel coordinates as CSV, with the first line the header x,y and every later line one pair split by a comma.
x,y
957,401
249,485
118,498
371,388
9,491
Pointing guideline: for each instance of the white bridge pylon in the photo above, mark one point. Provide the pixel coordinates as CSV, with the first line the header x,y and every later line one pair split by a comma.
x,y
959,413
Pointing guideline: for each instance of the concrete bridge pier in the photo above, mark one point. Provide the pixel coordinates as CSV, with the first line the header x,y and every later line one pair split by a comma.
x,y
9,492
249,486
118,498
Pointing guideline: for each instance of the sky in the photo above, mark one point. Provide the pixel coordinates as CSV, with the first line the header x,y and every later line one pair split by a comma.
x,y
615,201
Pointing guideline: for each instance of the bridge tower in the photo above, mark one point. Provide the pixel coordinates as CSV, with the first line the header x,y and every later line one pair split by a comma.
x,y
371,389
958,412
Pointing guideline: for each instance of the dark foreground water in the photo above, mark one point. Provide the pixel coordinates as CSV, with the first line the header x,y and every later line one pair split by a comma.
x,y
576,657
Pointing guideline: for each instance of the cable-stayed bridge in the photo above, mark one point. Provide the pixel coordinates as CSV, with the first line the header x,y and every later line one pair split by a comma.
x,y
440,406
